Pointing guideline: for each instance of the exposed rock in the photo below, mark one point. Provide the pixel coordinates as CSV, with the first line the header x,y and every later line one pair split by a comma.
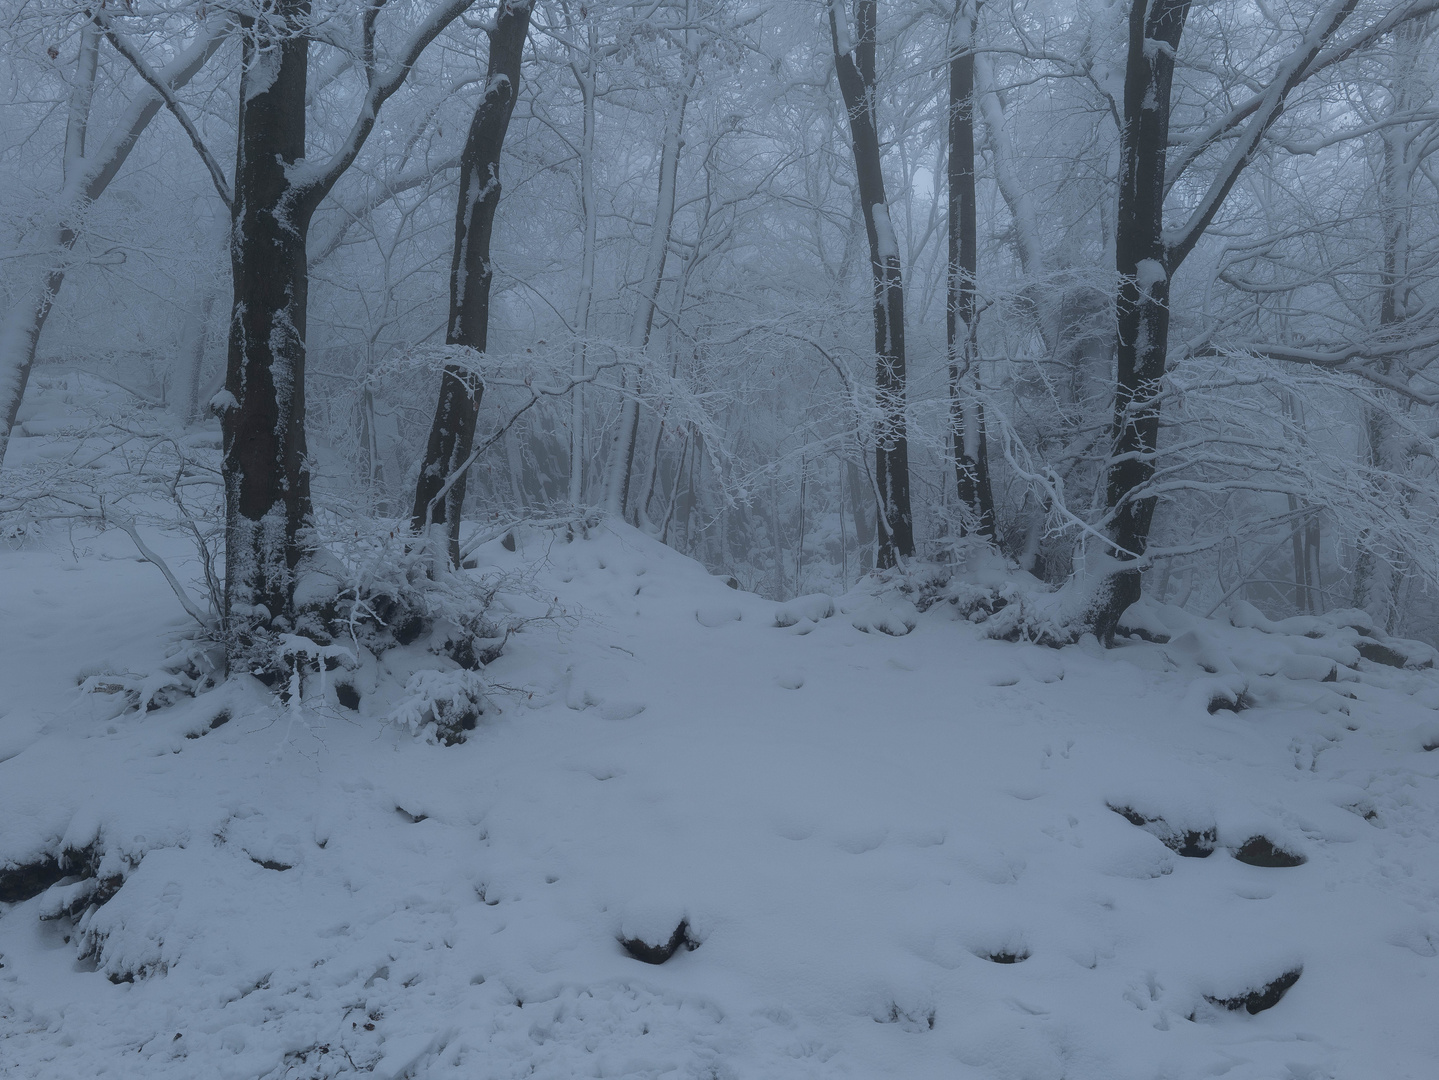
x,y
221,718
1228,700
21,882
1261,851
1266,997
1190,843
1380,653
658,954
1006,956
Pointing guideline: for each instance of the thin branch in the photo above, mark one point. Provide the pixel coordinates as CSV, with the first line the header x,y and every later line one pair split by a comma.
x,y
312,187
191,608
1290,74
537,393
1225,125
123,47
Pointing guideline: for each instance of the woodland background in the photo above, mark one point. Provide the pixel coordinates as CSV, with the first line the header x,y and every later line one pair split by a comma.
x,y
1296,432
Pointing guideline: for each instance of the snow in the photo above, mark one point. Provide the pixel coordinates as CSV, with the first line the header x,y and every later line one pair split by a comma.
x,y
1148,274
264,69
844,44
223,401
886,245
852,820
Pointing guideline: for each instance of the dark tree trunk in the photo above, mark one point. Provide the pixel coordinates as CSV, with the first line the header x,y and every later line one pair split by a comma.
x,y
267,481
966,413
440,492
856,72
1144,266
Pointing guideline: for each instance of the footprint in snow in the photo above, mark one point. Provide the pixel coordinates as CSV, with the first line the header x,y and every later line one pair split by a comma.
x,y
621,710
1006,947
1418,940
790,681
857,843
794,829
1043,666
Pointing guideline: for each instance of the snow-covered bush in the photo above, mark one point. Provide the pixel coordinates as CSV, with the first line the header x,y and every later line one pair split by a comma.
x,y
387,615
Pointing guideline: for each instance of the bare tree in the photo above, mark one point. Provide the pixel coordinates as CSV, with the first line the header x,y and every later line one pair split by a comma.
x,y
1147,254
266,474
440,491
854,63
970,449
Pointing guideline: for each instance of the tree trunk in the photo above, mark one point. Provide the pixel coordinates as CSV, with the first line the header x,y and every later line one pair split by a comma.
x,y
267,481
371,456
1146,261
195,343
1143,263
1377,579
854,63
585,77
622,450
966,412
276,191
861,495
440,492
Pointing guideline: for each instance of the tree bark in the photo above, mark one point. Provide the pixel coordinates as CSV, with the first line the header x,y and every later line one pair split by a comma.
x,y
966,412
440,492
264,470
854,63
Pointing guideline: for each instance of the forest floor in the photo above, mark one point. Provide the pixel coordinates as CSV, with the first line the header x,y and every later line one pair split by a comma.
x,y
926,855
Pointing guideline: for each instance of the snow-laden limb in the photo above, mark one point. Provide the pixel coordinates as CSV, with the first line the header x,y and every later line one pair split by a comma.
x,y
121,464
312,181
1291,71
1193,146
87,175
161,87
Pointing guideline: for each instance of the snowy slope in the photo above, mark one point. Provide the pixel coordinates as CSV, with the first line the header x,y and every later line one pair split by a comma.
x,y
851,822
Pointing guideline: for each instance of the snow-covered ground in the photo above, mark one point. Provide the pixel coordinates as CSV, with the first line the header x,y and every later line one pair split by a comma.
x,y
851,823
